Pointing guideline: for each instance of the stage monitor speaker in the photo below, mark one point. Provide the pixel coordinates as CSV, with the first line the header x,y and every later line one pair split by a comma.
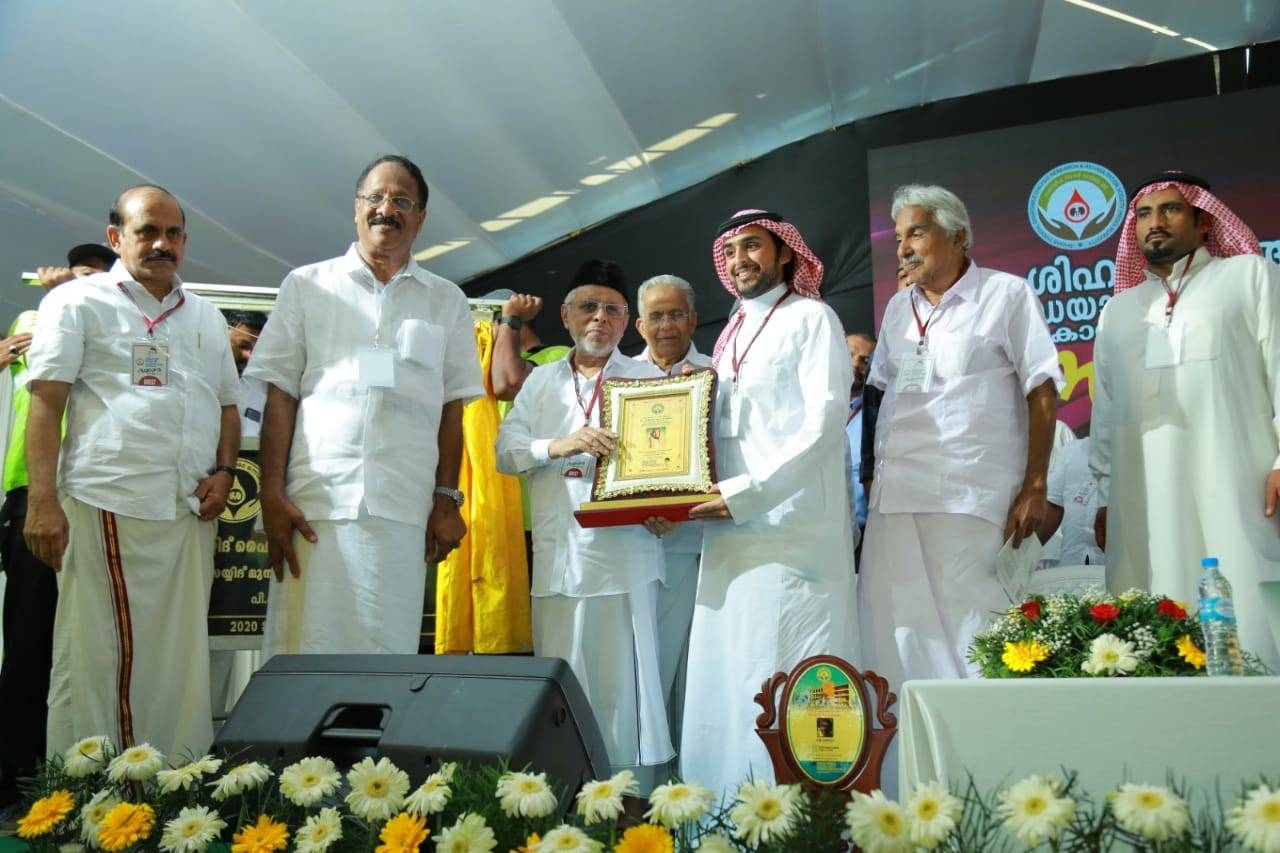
x,y
420,711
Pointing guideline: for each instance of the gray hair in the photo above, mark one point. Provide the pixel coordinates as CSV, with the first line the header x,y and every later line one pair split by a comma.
x,y
943,205
666,281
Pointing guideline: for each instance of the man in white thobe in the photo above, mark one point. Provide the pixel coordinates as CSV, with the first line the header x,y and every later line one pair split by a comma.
x,y
962,445
369,360
595,589
667,321
777,580
1186,410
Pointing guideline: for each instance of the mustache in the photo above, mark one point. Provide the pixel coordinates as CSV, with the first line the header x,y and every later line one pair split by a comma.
x,y
160,256
1157,233
379,219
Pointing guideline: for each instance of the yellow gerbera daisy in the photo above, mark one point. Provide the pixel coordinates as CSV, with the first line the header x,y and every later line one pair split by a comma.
x,y
404,833
266,836
645,838
125,825
1190,652
1023,657
527,847
46,813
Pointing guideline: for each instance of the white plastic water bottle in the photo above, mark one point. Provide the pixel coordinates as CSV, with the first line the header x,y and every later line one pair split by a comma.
x,y
1218,621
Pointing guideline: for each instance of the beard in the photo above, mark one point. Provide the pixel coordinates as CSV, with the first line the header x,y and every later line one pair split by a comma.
x,y
593,350
767,280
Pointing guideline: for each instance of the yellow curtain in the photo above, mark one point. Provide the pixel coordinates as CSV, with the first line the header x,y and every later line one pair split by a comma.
x,y
482,589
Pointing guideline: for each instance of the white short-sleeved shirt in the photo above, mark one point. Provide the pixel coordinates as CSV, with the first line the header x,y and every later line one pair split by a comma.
x,y
354,444
134,450
961,447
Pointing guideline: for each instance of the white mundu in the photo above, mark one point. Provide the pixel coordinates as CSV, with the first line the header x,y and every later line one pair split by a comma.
x,y
777,580
1182,450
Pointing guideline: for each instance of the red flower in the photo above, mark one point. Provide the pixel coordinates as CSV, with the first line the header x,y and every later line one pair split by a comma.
x,y
1104,613
1169,607
1030,609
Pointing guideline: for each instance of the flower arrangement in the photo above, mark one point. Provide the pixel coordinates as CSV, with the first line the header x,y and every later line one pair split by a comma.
x,y
94,799
1094,634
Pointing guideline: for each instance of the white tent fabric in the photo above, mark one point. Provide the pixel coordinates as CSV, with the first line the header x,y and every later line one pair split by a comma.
x,y
531,118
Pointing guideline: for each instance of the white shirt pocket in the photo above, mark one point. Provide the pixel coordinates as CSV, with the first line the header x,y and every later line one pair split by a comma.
x,y
421,343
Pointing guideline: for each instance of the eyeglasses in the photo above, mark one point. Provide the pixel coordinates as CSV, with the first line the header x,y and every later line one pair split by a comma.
x,y
657,317
589,307
401,202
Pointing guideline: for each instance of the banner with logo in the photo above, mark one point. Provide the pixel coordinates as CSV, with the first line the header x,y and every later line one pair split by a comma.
x,y
1047,201
241,568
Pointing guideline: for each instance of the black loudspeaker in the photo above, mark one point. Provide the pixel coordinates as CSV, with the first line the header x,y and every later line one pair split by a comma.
x,y
419,711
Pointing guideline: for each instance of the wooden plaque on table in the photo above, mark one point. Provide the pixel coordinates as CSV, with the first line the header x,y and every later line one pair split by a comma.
x,y
664,463
821,733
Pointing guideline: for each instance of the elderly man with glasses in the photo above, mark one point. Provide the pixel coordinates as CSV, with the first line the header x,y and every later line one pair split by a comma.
x,y
369,360
595,590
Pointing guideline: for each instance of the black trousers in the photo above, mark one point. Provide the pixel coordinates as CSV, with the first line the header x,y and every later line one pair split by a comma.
x,y
30,600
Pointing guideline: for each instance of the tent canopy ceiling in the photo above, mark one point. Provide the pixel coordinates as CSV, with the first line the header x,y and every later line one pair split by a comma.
x,y
532,119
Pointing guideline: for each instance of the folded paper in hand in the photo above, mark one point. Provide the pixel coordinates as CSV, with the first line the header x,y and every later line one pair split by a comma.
x,y
1015,565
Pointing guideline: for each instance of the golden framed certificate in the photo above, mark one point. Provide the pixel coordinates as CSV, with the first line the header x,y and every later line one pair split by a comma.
x,y
665,459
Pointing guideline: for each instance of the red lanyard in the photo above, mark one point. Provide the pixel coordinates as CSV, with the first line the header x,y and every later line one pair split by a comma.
x,y
734,359
595,395
1171,295
922,326
147,321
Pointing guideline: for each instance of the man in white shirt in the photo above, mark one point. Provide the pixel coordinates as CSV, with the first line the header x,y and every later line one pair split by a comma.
x,y
667,321
369,360
861,347
595,590
962,443
777,581
1072,506
243,329
1186,409
144,373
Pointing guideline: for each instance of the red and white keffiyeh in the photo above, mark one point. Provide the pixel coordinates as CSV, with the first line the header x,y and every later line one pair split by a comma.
x,y
807,270
1228,235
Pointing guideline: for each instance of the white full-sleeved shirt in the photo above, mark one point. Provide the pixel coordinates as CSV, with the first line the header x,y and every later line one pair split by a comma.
x,y
962,446
134,450
1072,487
569,559
688,537
353,444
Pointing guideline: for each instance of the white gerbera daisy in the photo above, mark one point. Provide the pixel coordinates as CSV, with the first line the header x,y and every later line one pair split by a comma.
x,y
309,781
377,790
137,763
241,778
92,813
525,795
319,832
1110,655
1151,811
1033,811
431,796
765,812
602,800
86,756
878,825
679,802
184,777
192,830
469,835
933,814
716,843
566,839
1256,820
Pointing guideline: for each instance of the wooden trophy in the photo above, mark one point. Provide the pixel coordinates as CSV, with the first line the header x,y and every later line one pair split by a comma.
x,y
821,733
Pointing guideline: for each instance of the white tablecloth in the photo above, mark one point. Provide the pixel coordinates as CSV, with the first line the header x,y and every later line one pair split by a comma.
x,y
1109,730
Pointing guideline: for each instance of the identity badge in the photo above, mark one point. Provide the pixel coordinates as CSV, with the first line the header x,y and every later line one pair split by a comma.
x,y
377,368
150,364
581,466
1164,346
915,375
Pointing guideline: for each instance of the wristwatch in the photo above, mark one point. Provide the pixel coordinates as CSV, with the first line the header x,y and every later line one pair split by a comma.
x,y
227,468
456,496
511,320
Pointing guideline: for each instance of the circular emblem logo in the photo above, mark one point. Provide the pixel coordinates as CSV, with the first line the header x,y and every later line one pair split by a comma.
x,y
242,500
1076,205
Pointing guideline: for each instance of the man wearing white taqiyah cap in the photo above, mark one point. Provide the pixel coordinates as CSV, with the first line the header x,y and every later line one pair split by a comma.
x,y
777,581
1186,409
